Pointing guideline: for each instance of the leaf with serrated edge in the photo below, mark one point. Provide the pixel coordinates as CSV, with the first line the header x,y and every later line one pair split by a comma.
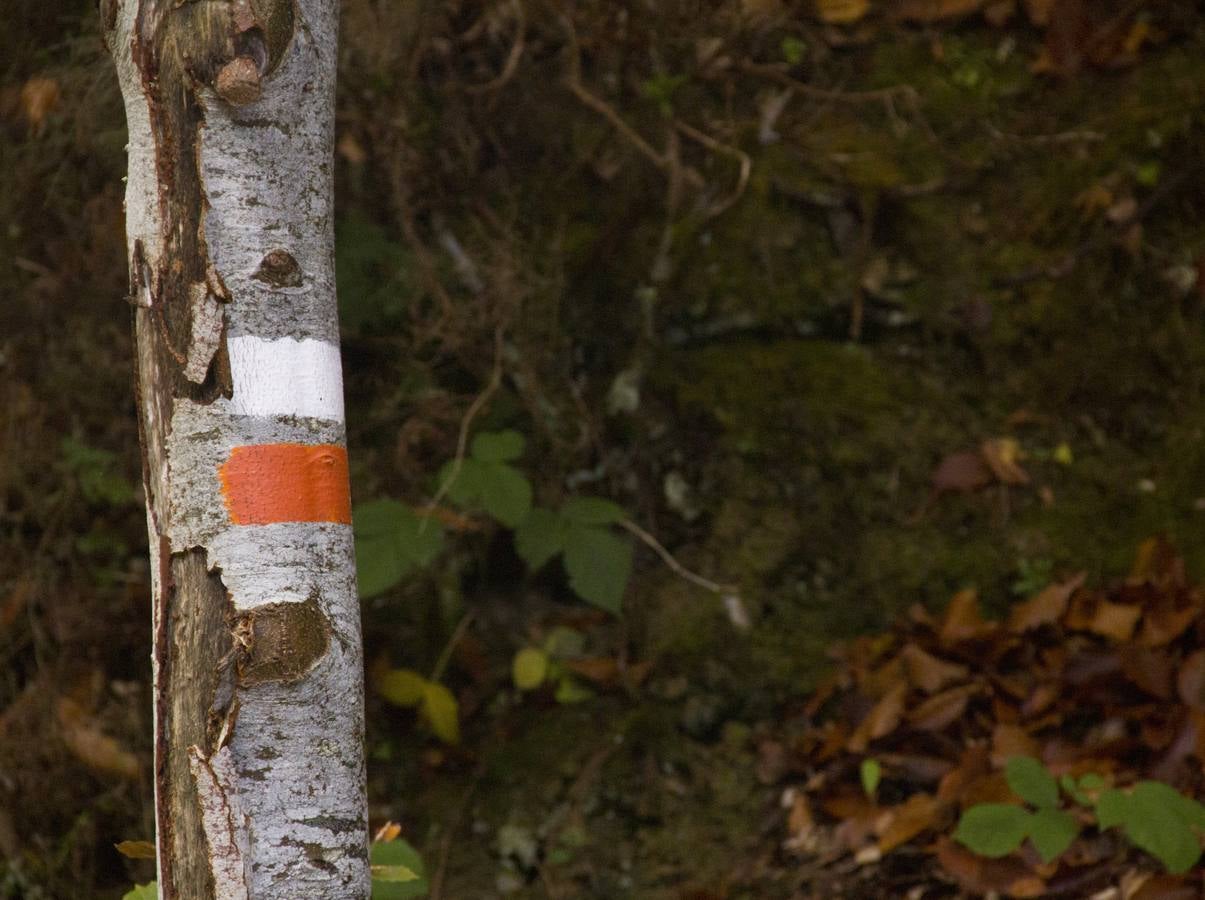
x,y
497,446
539,537
1030,781
505,493
592,511
598,564
1052,831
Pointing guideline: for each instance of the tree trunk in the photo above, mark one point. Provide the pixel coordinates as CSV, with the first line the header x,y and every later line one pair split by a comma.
x,y
259,768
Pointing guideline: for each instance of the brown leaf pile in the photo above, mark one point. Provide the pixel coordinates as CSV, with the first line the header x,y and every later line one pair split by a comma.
x,y
1104,681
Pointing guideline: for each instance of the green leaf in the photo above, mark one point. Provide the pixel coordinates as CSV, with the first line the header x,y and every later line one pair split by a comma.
x,y
498,446
872,773
397,853
390,541
563,642
402,687
1091,782
1031,782
570,690
598,564
505,493
465,489
592,511
1112,808
993,829
539,537
1052,831
1159,820
1067,783
148,891
393,873
441,711
529,668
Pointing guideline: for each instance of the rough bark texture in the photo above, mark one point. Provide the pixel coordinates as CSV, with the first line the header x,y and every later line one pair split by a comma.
x,y
257,656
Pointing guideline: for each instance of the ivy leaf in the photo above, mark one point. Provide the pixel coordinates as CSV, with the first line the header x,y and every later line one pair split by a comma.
x,y
529,668
1052,831
1031,782
592,511
148,891
402,687
539,537
390,541
397,854
993,829
598,563
497,446
441,711
505,493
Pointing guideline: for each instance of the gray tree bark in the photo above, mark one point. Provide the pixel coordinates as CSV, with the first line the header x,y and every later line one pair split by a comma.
x,y
258,670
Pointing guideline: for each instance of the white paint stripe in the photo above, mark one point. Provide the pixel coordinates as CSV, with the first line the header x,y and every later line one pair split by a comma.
x,y
286,377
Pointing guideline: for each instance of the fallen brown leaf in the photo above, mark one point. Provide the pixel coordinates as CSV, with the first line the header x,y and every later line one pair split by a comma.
x,y
940,710
1046,606
928,672
882,719
918,813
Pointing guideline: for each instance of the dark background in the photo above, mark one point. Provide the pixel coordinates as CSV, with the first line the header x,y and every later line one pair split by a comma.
x,y
952,229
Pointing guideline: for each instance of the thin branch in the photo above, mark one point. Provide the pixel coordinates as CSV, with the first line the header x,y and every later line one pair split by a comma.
x,y
573,81
675,566
880,95
446,655
719,147
512,58
462,439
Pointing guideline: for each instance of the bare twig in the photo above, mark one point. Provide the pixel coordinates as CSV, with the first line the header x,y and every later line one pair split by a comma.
x,y
573,81
880,95
446,655
462,439
715,146
675,566
512,58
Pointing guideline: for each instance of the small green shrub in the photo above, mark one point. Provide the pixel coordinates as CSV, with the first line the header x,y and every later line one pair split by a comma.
x,y
1153,816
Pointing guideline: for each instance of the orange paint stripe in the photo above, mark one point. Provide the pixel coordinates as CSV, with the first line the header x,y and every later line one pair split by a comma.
x,y
266,483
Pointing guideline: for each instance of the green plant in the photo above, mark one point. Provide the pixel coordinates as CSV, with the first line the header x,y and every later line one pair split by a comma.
x,y
534,667
597,560
660,89
392,538
397,868
870,773
486,479
1032,576
1153,816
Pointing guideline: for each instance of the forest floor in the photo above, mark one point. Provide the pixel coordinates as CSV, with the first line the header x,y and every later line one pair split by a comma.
x,y
849,306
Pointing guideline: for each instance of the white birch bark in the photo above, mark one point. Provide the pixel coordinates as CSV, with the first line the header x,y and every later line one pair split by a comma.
x,y
257,661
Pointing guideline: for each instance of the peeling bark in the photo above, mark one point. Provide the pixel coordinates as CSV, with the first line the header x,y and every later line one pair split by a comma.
x,y
257,661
